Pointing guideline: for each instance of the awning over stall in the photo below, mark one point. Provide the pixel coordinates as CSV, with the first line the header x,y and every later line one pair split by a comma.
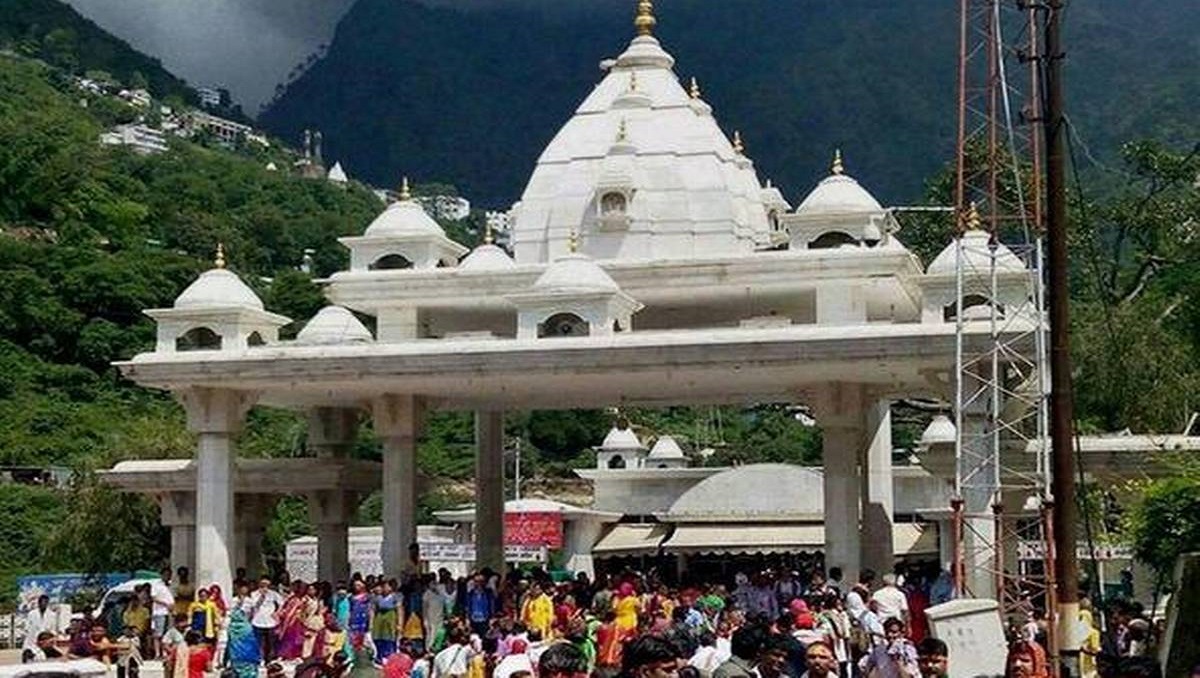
x,y
631,540
746,538
915,539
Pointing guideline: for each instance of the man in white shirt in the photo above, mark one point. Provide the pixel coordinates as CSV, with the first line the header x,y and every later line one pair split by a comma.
x,y
39,619
453,662
263,605
162,601
893,604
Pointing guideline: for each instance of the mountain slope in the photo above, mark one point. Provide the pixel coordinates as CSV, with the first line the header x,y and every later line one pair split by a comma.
x,y
53,31
471,96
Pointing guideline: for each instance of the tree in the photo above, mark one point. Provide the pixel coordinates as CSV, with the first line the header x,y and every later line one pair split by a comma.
x,y
1162,525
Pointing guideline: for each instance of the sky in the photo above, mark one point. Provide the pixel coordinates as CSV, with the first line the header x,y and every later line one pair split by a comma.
x,y
246,46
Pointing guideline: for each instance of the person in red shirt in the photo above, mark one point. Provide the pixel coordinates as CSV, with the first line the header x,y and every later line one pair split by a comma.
x,y
198,658
608,646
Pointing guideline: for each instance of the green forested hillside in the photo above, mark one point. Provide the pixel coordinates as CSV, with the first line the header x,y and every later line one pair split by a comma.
x,y
54,32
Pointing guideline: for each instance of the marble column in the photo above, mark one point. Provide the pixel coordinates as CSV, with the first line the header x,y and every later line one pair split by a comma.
x,y
215,416
398,423
178,511
330,512
332,431
489,490
878,502
253,512
839,412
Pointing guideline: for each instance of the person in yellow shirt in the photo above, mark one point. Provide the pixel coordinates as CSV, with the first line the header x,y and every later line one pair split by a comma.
x,y
1089,635
205,617
537,612
627,606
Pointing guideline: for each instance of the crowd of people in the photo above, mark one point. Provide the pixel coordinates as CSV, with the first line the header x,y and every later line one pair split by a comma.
x,y
768,625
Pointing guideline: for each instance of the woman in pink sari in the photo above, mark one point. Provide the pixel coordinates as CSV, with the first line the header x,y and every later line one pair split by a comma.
x,y
312,619
290,630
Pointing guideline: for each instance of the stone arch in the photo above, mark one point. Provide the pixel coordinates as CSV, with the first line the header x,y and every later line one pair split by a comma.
x,y
198,339
613,203
391,262
255,339
616,462
563,325
832,240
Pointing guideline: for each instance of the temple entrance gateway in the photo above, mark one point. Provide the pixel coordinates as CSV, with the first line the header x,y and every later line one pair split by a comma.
x,y
696,297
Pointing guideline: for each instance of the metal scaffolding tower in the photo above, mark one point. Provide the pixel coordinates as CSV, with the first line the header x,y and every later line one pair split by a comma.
x,y
1001,386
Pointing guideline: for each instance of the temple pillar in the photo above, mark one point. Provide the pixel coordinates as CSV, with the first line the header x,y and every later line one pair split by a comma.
x,y
980,490
178,510
253,512
878,503
489,490
330,512
331,431
839,413
215,416
398,423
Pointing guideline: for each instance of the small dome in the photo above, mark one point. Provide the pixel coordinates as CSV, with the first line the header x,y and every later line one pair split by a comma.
x,y
575,272
975,249
333,325
621,439
838,194
337,175
940,431
487,257
404,218
218,288
763,491
666,448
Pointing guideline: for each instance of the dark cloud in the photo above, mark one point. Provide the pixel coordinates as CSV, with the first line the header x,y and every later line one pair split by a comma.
x,y
246,45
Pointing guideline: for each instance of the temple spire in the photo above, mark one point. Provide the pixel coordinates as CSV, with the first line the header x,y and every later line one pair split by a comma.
x,y
645,22
219,261
738,146
837,168
694,90
405,193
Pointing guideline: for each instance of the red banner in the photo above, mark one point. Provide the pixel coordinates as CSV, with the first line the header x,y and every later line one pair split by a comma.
x,y
534,528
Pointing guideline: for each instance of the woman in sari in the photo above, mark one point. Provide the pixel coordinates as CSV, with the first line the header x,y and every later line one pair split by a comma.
x,y
627,606
360,612
312,616
385,624
290,630
412,633
242,653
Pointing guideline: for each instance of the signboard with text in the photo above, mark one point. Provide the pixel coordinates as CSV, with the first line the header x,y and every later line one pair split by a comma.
x,y
534,528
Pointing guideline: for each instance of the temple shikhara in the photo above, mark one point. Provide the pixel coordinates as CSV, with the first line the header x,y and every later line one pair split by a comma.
x,y
649,264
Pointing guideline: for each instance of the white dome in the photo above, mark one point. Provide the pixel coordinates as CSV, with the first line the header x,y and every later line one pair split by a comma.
x,y
333,325
621,439
666,448
975,250
487,257
404,218
838,194
218,288
575,272
940,431
762,491
690,194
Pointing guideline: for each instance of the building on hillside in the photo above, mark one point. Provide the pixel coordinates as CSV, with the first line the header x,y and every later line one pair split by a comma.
x,y
141,138
226,132
212,96
136,97
446,207
337,175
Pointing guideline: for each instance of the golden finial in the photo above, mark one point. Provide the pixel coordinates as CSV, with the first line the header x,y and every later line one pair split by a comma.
x,y
633,80
838,168
487,232
694,90
622,132
645,22
974,223
572,242
405,193
220,258
738,146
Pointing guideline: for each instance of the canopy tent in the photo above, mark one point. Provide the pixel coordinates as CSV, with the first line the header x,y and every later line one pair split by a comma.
x,y
631,539
909,539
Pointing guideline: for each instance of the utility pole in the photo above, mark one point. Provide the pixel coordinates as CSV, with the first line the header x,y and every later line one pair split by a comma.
x,y
517,471
1062,437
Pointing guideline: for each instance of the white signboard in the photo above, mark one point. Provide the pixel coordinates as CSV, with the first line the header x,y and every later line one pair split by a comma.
x,y
1034,550
366,556
974,635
